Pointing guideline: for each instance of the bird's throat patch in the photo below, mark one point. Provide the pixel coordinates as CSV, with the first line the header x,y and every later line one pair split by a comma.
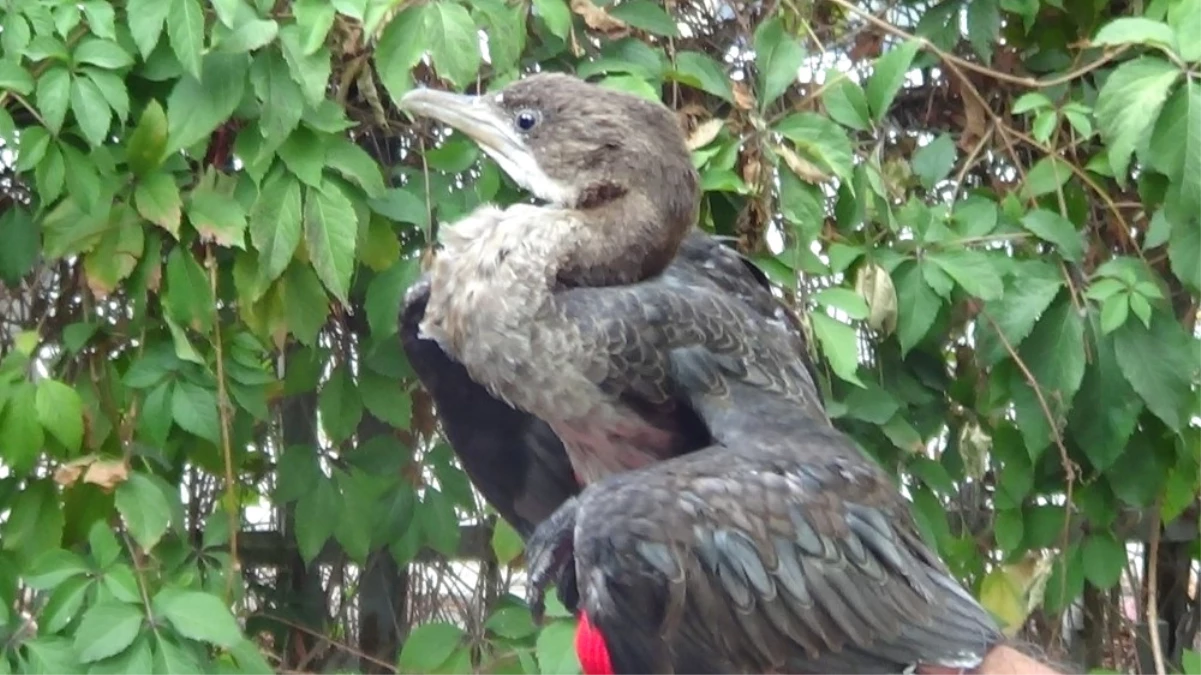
x,y
591,649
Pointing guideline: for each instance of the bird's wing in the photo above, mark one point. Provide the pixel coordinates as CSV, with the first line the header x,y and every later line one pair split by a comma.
x,y
784,553
515,459
791,550
675,341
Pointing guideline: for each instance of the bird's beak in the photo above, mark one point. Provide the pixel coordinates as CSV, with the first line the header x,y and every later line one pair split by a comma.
x,y
472,115
488,126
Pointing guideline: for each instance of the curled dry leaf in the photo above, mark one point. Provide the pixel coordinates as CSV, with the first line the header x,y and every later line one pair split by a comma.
x,y
875,286
743,98
975,124
803,168
599,20
974,444
704,133
106,474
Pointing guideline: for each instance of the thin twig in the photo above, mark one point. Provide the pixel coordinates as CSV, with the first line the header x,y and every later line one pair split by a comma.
x,y
1153,592
227,452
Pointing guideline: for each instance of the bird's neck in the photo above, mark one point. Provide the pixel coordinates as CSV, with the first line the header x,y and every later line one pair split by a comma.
x,y
622,241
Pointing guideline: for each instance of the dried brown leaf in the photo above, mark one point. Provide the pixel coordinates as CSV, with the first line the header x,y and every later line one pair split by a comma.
x,y
704,133
803,168
599,20
743,98
106,474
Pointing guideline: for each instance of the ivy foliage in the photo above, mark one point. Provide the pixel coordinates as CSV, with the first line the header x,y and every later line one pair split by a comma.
x,y
211,210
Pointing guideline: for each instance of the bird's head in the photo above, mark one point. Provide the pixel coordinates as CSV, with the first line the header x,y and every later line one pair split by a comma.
x,y
617,157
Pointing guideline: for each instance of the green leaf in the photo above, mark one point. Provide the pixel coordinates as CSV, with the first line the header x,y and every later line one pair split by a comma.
x,y
1114,311
934,161
1175,146
354,163
399,49
840,345
104,53
22,244
250,35
304,154
53,97
1104,559
1137,30
148,143
453,42
60,410
312,71
645,15
217,218
199,616
107,628
819,140
14,77
174,659
318,510
845,101
283,100
701,71
101,18
112,88
1183,244
189,298
972,270
21,435
194,409
513,622
1047,176
1106,409
157,200
339,405
196,107
1052,227
506,543
1030,291
778,58
53,568
1129,103
315,18
556,15
145,510
146,19
1184,16
1160,362
91,110
275,224
888,76
330,230
185,30
917,305
386,293
35,521
1031,100
843,299
983,26
429,646
1055,354
64,604
556,649
1008,529
116,254
381,399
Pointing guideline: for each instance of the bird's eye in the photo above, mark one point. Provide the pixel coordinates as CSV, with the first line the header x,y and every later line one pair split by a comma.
x,y
527,119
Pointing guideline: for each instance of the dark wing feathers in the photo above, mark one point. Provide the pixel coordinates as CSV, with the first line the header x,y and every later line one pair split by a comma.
x,y
772,564
663,341
513,458
780,540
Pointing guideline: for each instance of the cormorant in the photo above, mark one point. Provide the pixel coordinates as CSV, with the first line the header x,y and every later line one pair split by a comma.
x,y
724,525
